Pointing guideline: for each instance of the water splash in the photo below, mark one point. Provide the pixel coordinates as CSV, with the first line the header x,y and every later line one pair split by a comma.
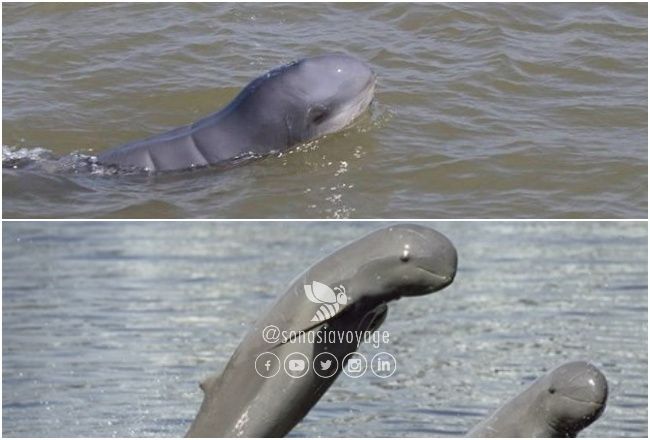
x,y
21,157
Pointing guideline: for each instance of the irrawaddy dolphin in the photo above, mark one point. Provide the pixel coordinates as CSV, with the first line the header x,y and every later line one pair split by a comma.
x,y
356,282
559,404
290,104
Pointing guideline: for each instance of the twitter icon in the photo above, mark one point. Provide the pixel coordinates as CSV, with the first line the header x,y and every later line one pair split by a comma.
x,y
325,365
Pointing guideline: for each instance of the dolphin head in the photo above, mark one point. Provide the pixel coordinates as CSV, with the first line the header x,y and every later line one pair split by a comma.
x,y
390,263
411,260
325,93
573,396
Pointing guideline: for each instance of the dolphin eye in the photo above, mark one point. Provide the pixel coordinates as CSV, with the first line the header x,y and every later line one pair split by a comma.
x,y
319,118
551,390
317,114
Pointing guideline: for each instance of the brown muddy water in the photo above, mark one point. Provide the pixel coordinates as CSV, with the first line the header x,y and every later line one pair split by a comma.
x,y
481,110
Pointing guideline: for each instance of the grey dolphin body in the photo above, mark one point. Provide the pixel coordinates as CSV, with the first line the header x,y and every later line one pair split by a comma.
x,y
293,103
559,404
402,260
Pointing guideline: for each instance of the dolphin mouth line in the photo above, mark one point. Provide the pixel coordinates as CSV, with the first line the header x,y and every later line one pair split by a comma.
x,y
370,88
367,89
589,402
445,279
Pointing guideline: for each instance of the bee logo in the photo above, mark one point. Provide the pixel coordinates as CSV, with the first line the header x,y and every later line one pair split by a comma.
x,y
331,300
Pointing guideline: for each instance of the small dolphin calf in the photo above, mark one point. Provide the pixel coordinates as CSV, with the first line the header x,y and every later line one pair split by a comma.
x,y
294,103
559,404
256,396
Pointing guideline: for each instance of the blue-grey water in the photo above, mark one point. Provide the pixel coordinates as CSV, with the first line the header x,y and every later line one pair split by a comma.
x,y
108,327
497,110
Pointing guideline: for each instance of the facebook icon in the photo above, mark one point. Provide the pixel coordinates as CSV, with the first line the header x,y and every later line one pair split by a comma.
x,y
267,364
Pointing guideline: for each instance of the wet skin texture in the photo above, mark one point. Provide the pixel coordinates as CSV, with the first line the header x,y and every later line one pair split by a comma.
x,y
559,404
290,104
393,262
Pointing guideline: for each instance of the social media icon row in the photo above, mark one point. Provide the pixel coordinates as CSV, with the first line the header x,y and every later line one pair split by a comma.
x,y
325,365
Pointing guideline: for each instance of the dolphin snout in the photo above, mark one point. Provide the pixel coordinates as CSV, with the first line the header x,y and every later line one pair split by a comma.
x,y
443,259
586,383
592,386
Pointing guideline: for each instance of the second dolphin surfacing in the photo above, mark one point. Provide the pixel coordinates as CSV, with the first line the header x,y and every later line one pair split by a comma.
x,y
559,404
392,262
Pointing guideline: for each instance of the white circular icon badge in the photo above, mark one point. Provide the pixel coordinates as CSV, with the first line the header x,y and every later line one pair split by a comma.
x,y
383,365
267,364
325,365
354,364
296,365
